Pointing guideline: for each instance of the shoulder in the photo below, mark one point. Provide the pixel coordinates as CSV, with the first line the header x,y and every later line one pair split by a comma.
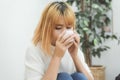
x,y
34,64
33,51
31,48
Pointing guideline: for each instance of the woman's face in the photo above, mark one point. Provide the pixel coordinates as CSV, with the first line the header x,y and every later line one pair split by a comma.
x,y
60,26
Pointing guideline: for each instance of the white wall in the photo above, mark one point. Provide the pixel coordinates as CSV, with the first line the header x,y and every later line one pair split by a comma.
x,y
110,59
18,19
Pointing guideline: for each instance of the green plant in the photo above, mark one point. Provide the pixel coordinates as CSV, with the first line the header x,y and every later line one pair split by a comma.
x,y
91,23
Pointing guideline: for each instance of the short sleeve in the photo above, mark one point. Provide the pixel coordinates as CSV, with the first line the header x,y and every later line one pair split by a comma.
x,y
81,56
34,67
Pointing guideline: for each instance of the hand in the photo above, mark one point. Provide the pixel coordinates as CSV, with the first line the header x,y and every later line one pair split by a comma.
x,y
62,44
73,50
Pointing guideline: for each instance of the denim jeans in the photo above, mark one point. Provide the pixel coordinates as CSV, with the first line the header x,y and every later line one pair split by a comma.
x,y
74,76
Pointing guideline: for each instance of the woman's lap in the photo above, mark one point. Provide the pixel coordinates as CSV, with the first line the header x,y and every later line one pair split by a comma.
x,y
78,76
64,76
74,76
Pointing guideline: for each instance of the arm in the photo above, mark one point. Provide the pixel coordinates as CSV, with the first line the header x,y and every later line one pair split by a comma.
x,y
62,44
34,66
51,73
78,58
81,68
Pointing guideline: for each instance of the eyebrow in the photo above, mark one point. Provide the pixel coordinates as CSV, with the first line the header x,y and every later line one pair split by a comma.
x,y
59,24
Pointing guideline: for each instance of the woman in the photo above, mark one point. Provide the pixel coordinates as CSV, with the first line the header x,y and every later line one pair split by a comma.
x,y
54,55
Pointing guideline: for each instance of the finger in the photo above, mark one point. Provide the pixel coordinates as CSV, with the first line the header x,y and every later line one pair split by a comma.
x,y
75,43
61,35
65,37
70,39
77,38
69,45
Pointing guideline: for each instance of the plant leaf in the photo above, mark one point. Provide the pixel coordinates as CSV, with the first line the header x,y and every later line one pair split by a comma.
x,y
85,29
95,6
85,22
95,41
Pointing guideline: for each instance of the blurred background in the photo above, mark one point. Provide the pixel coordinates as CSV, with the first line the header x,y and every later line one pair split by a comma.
x,y
18,19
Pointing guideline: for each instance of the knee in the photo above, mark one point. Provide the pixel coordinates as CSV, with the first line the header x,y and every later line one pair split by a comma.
x,y
78,76
64,76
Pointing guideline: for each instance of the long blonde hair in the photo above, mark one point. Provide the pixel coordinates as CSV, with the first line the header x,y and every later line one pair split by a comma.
x,y
43,31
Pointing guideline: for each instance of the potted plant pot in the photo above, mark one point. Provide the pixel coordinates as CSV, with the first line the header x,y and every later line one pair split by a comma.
x,y
98,72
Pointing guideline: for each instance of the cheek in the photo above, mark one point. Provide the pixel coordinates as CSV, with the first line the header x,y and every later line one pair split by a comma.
x,y
56,35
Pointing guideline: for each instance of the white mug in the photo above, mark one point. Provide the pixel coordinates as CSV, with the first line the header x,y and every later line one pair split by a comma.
x,y
68,33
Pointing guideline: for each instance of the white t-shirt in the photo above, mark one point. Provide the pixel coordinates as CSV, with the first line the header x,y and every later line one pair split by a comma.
x,y
36,63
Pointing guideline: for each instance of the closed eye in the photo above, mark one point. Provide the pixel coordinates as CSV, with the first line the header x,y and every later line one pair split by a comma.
x,y
69,27
58,27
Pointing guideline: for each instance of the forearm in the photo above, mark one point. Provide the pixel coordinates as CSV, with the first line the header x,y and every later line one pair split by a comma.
x,y
51,73
80,68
